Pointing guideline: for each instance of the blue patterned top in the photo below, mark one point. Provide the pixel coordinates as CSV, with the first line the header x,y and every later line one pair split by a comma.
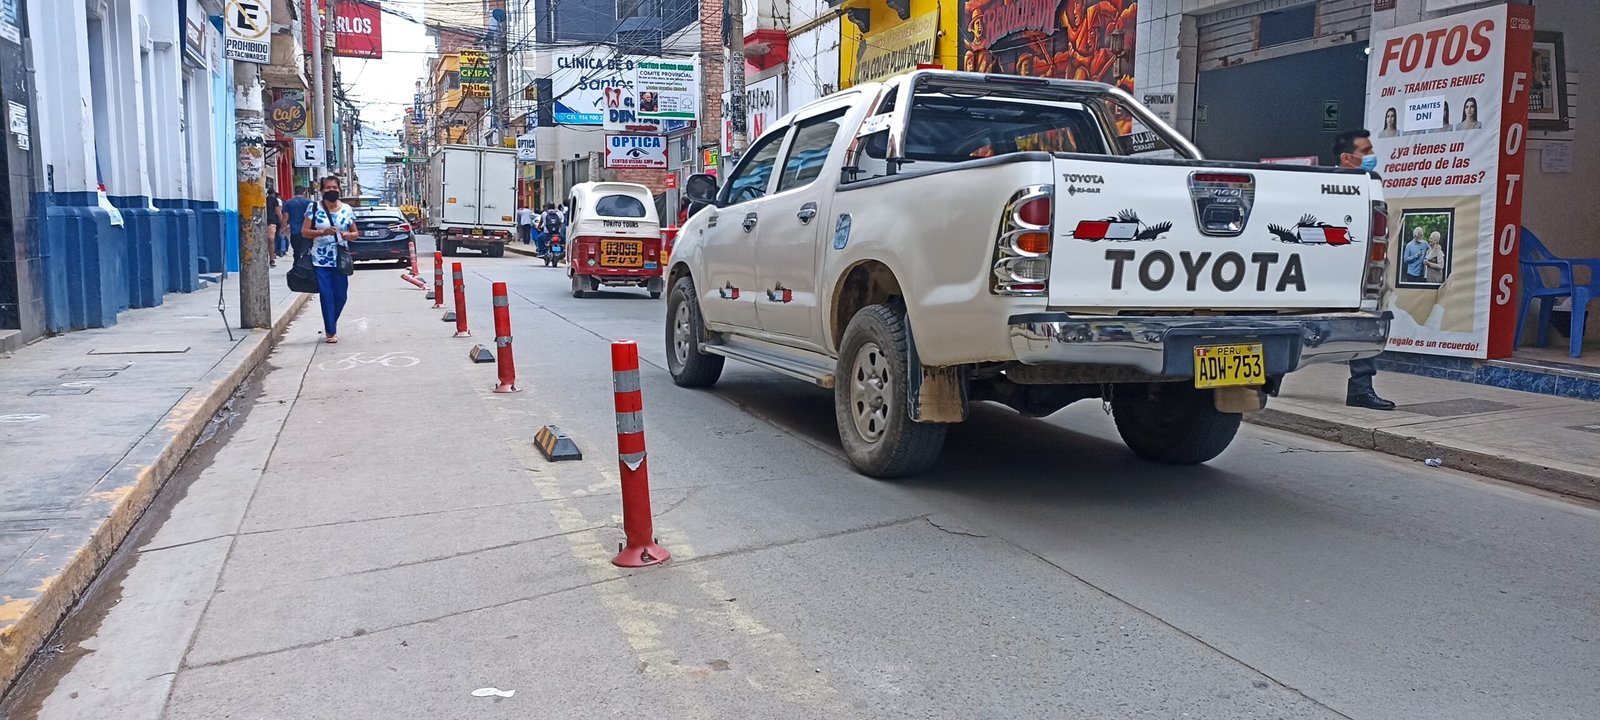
x,y
325,252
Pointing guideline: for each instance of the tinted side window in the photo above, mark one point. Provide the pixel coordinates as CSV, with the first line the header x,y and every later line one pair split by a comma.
x,y
619,206
812,141
750,180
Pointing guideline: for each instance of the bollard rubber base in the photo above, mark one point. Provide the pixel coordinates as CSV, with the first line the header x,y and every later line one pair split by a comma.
x,y
641,556
555,445
429,296
507,388
480,354
449,316
462,333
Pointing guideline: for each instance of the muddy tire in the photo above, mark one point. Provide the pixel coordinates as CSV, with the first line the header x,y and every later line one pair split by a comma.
x,y
1171,423
870,402
496,250
689,367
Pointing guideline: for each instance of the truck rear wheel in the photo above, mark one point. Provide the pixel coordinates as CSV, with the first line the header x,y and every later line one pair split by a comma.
x,y
447,247
497,250
870,403
1172,424
685,329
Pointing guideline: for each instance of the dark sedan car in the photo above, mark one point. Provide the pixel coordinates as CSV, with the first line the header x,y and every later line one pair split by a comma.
x,y
385,235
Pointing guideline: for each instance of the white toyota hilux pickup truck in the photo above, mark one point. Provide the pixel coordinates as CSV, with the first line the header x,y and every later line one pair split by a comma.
x,y
946,238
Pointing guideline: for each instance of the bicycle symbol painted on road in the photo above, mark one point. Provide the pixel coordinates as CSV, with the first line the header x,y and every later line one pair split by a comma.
x,y
388,360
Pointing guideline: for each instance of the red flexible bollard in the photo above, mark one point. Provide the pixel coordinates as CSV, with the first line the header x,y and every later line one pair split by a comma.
x,y
414,280
502,341
461,301
412,248
438,280
641,549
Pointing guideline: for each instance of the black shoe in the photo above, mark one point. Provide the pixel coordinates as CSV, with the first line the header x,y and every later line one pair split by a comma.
x,y
1370,401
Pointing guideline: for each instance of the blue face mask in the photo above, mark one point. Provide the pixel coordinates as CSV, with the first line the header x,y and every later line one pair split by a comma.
x,y
1369,163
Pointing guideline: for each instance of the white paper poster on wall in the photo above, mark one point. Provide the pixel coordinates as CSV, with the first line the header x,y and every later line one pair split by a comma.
x,y
636,152
1447,106
668,89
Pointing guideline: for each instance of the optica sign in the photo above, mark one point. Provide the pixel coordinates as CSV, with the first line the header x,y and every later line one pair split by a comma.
x,y
636,152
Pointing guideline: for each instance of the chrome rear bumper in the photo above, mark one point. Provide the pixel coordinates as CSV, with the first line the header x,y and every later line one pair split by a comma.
x,y
1164,345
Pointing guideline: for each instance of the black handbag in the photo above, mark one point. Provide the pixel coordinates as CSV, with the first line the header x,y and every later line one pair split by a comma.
x,y
347,264
303,277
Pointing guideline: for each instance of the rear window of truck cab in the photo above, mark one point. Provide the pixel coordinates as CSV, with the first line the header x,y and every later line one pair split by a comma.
x,y
953,129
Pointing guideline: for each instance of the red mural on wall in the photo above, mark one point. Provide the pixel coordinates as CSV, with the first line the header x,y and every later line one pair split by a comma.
x,y
1073,39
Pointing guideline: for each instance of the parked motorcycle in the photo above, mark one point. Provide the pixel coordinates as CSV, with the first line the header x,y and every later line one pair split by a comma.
x,y
555,252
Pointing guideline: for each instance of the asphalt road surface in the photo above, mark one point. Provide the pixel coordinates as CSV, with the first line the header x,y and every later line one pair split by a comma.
x,y
377,539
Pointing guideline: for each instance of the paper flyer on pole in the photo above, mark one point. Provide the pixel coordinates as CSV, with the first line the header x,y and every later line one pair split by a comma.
x,y
1447,107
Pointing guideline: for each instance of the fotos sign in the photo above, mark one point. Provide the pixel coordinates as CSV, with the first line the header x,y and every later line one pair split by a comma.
x,y
1449,107
636,152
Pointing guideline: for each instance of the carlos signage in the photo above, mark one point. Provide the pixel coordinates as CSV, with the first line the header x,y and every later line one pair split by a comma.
x,y
1449,109
358,30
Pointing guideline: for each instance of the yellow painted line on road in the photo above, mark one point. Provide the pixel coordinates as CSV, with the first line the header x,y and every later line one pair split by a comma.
x,y
783,670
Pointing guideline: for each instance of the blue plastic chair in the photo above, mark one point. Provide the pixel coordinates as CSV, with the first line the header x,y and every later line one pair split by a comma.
x,y
1535,256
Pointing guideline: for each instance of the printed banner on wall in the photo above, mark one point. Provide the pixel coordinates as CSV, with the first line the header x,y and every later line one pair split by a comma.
x,y
1448,105
580,81
884,54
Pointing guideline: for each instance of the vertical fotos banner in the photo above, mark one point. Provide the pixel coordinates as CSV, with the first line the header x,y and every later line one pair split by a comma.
x,y
1447,105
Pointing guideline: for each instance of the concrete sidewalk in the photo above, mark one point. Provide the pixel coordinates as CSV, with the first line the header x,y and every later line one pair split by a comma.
x,y
92,424
1537,440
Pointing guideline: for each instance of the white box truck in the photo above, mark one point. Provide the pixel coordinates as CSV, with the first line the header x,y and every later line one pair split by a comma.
x,y
472,198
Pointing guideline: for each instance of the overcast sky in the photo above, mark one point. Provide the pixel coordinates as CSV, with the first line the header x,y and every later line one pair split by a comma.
x,y
382,89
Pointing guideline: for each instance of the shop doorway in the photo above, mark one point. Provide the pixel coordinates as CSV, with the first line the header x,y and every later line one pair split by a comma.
x,y
1280,107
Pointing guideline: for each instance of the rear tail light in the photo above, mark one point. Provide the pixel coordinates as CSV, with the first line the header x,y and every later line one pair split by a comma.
x,y
400,228
1377,275
1022,246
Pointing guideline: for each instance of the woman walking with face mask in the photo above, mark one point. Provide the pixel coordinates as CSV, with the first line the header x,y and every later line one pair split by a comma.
x,y
329,225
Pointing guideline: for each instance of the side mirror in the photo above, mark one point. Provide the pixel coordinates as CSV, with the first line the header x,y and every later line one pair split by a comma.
x,y
701,189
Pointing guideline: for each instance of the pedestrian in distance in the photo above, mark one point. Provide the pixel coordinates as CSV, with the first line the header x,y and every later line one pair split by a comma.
x,y
525,224
330,225
274,226
295,209
1353,150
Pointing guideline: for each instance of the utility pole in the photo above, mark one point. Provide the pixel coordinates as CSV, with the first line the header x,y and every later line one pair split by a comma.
x,y
331,150
739,138
255,285
319,117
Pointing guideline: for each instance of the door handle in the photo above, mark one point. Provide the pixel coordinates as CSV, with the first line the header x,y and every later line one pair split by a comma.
x,y
807,212
750,222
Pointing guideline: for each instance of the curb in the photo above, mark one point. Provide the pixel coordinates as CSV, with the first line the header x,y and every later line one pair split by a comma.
x,y
122,496
518,249
1512,470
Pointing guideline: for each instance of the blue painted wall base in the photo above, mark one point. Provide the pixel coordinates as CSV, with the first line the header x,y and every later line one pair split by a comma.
x,y
84,259
183,245
1562,380
146,239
